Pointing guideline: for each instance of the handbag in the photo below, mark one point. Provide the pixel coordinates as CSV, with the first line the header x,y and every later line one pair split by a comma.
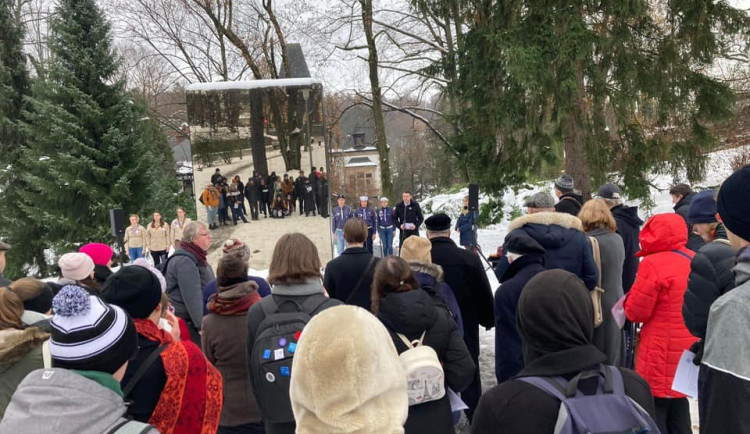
x,y
596,293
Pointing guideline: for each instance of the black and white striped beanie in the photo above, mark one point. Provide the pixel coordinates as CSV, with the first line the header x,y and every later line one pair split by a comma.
x,y
89,334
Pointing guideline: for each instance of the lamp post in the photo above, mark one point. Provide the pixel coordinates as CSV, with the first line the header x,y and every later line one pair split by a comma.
x,y
306,96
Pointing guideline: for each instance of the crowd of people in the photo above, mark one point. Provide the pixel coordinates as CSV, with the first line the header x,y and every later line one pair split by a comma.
x,y
391,344
271,195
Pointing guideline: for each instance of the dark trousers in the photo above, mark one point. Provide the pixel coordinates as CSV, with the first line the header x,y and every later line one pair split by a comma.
x,y
470,396
159,256
237,214
281,428
248,428
301,200
194,335
253,209
404,234
673,415
368,241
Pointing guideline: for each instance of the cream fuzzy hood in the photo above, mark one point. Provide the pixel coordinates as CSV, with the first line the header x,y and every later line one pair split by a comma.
x,y
347,379
547,218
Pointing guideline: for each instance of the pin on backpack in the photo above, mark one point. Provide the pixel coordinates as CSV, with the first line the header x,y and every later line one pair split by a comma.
x,y
424,373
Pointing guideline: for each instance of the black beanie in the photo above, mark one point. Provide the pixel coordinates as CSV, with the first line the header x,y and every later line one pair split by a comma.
x,y
732,203
42,303
134,289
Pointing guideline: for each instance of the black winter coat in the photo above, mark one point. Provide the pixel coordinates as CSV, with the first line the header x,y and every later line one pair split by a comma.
x,y
711,277
629,228
408,214
145,395
570,203
343,272
411,313
695,242
508,349
465,275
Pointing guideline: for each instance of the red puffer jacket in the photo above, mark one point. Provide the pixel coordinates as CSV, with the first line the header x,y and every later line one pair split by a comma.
x,y
656,300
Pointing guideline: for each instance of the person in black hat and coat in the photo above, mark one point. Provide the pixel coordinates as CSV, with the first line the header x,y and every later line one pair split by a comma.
x,y
570,201
711,273
682,197
555,323
526,258
465,274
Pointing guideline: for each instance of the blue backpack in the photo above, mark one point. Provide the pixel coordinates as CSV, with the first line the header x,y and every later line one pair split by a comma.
x,y
608,411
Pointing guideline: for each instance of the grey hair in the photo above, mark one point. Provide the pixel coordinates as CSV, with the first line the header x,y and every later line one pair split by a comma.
x,y
192,230
612,202
436,234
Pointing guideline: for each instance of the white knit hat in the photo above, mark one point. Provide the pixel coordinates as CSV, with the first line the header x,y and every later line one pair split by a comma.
x,y
76,266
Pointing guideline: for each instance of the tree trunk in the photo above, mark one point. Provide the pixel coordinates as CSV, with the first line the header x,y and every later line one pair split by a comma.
x,y
377,99
576,162
257,132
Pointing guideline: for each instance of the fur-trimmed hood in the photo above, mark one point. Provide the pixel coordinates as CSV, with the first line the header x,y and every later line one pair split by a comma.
x,y
433,270
14,344
547,218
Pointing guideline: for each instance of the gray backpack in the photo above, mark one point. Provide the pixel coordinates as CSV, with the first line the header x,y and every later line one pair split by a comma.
x,y
608,411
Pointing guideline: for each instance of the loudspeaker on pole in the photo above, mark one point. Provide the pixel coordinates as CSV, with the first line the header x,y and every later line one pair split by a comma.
x,y
473,197
117,222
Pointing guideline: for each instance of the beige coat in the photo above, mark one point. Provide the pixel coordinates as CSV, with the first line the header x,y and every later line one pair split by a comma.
x,y
177,229
135,237
158,239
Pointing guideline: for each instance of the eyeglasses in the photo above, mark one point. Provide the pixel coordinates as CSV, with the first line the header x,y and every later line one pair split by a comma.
x,y
207,234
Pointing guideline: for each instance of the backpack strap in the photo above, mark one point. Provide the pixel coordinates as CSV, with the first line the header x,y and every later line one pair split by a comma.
x,y
312,304
269,306
411,344
356,286
142,370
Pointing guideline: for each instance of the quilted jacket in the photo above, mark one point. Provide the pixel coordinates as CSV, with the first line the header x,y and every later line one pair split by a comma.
x,y
656,301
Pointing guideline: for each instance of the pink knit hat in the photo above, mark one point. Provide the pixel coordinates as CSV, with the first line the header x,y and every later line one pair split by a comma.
x,y
100,253
76,266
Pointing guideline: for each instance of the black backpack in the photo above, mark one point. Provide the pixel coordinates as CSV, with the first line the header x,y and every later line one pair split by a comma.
x,y
273,351
162,267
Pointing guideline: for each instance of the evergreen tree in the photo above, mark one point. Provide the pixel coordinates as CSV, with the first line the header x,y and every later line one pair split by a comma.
x,y
18,230
612,85
92,145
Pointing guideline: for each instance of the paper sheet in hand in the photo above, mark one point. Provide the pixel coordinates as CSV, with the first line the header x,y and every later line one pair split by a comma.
x,y
618,312
686,377
456,403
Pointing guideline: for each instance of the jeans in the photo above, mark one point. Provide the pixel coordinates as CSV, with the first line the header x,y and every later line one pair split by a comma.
x,y
211,213
386,241
223,215
135,253
340,245
237,214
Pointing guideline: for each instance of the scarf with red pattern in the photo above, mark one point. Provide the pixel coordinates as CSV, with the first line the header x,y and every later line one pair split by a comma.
x,y
191,400
193,248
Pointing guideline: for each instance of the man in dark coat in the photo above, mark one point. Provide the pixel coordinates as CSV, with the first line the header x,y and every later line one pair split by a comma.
x,y
554,321
629,228
408,215
711,273
467,278
526,258
682,196
216,177
348,277
570,201
299,188
252,193
723,386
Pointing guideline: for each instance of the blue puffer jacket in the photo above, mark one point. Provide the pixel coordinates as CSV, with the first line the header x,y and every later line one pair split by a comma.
x,y
562,236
